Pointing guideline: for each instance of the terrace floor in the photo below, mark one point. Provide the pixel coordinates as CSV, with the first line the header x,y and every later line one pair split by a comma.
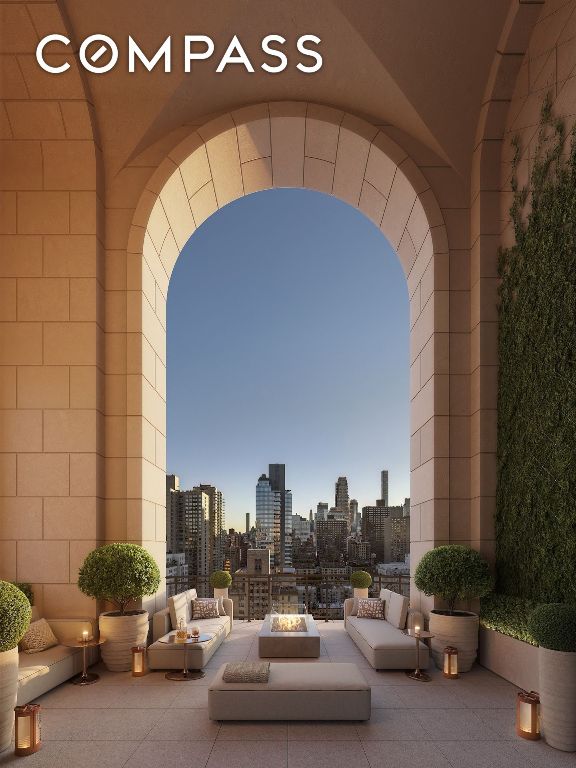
x,y
152,722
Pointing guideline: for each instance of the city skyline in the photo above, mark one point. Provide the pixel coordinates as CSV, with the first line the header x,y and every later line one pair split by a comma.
x,y
278,351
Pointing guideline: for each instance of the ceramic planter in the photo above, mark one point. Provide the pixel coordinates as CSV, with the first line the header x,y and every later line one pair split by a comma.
x,y
121,634
8,693
221,592
360,592
459,630
558,698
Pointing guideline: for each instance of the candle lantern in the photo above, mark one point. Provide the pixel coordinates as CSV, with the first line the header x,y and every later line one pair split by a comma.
x,y
27,728
528,715
138,661
451,662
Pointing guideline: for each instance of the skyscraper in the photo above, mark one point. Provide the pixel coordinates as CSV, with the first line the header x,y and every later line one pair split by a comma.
x,y
268,518
322,510
277,475
388,531
383,501
353,513
342,502
190,530
172,484
216,519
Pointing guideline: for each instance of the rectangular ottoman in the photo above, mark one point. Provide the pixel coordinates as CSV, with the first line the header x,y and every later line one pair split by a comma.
x,y
294,691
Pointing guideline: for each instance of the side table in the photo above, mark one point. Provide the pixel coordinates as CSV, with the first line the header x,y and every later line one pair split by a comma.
x,y
86,678
417,674
186,674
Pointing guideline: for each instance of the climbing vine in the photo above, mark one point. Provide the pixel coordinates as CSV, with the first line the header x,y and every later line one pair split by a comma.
x,y
536,495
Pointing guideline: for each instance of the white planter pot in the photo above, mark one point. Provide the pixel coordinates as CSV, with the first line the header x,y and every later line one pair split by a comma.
x,y
221,592
360,592
8,692
558,698
460,631
121,634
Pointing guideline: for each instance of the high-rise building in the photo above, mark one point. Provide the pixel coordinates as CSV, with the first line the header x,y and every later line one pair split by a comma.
x,y
342,499
268,518
322,510
277,476
172,484
331,535
190,534
388,531
353,512
383,501
247,522
217,520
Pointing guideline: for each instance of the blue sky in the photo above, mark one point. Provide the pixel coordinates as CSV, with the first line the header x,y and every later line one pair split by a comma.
x,y
288,336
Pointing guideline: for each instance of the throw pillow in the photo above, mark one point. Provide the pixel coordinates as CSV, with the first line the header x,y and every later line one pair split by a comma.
x,y
370,608
38,637
205,609
221,611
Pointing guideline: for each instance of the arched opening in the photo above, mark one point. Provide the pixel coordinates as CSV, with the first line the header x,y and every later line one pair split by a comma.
x,y
303,146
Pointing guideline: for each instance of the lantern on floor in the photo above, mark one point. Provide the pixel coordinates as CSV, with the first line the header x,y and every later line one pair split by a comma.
x,y
27,728
138,661
450,662
528,715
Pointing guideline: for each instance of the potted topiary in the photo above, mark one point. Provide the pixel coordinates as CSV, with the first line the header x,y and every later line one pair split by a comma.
x,y
28,591
453,572
220,581
120,574
361,581
15,614
553,626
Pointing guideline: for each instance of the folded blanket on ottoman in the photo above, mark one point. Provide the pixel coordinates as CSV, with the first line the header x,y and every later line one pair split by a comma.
x,y
247,672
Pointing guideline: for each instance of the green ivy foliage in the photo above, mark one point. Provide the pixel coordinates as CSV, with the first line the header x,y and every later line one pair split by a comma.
x,y
361,580
553,626
536,494
220,579
508,615
119,573
15,614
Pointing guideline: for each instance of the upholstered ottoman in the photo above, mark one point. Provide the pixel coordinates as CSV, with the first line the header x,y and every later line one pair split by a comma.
x,y
294,691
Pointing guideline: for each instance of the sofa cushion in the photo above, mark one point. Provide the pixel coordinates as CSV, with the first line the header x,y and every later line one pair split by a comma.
x,y
205,609
33,666
397,610
221,611
370,608
381,635
39,637
178,607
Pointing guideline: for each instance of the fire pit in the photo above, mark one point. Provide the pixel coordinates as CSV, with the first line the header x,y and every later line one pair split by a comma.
x,y
288,623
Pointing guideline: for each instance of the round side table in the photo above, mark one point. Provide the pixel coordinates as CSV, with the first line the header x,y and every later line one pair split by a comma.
x,y
86,678
185,674
417,674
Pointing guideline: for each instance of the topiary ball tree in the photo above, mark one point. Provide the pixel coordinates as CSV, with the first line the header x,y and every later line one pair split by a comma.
x,y
361,580
119,573
553,626
220,579
15,615
453,572
23,586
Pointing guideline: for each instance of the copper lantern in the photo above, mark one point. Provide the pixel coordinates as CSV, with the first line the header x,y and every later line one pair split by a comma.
x,y
528,715
138,661
27,727
450,662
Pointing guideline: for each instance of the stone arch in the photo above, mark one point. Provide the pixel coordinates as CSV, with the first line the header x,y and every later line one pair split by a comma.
x,y
289,144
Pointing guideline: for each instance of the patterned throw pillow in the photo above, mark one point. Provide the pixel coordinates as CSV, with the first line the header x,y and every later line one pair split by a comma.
x,y
370,608
206,608
221,611
38,637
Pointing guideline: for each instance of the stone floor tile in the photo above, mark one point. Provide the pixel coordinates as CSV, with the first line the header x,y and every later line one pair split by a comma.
x,y
165,754
183,725
96,754
393,725
501,721
482,754
537,754
484,696
248,754
387,697
329,754
68,696
395,754
191,697
150,697
322,731
429,696
453,724
47,757
98,724
253,731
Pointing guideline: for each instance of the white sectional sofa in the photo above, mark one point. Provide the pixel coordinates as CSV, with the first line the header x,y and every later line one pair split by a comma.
x,y
164,656
382,641
39,672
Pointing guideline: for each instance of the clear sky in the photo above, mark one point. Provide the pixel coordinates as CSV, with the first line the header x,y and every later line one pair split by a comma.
x,y
288,331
